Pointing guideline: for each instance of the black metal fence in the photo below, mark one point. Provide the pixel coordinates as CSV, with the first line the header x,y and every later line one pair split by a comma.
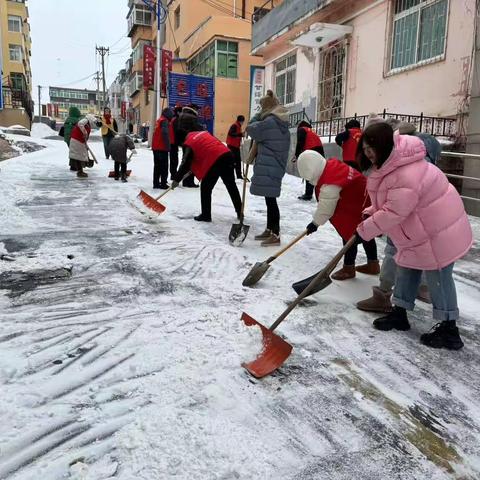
x,y
17,98
436,126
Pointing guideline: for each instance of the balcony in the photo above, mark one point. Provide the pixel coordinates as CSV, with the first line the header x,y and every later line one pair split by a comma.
x,y
267,24
135,84
138,16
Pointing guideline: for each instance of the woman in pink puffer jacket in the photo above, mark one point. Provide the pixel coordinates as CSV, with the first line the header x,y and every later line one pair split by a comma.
x,y
415,205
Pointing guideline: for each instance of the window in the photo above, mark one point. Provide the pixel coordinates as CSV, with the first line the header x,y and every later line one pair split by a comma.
x,y
14,23
17,81
139,15
137,53
227,59
15,53
176,19
285,77
204,62
419,31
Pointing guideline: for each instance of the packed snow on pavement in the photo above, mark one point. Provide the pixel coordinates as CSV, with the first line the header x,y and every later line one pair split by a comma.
x,y
121,344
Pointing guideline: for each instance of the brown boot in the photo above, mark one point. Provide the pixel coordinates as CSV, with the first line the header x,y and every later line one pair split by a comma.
x,y
266,234
379,302
345,273
82,174
370,268
271,241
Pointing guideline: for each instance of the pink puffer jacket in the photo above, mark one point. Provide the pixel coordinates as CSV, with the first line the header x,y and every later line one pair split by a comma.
x,y
415,205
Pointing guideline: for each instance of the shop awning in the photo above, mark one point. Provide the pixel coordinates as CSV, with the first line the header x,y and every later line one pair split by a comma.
x,y
321,34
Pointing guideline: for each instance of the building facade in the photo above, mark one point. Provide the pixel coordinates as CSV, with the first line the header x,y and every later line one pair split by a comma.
x,y
87,101
207,38
337,58
16,76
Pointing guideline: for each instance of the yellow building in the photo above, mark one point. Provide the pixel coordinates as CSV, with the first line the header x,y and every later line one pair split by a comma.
x,y
15,53
207,38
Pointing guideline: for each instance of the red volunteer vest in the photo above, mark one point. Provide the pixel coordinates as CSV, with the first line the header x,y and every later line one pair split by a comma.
x,y
157,140
235,141
353,197
206,151
312,141
77,134
349,148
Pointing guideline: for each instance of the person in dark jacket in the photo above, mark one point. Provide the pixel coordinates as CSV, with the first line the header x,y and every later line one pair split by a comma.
x,y
272,138
348,140
74,116
188,116
109,129
307,139
175,144
118,150
234,140
161,147
208,159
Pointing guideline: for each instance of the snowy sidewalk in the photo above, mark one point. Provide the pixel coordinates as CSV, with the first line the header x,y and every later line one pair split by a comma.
x,y
121,344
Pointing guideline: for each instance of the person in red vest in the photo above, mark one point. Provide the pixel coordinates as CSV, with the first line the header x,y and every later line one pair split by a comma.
x,y
342,196
349,140
161,141
234,140
208,159
307,139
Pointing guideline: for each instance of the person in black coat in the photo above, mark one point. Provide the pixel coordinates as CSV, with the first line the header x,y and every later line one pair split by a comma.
x,y
176,144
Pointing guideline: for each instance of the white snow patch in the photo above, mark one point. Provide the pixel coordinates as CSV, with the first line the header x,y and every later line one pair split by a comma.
x,y
41,130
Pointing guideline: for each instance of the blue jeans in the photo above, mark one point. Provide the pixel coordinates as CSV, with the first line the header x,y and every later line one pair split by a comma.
x,y
440,285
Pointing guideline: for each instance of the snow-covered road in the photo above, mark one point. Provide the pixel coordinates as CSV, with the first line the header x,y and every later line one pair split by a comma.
x,y
121,344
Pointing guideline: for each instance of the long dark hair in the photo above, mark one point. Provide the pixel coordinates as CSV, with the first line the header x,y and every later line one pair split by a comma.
x,y
379,136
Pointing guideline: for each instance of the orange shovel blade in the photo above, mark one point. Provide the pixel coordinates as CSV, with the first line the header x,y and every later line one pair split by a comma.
x,y
111,173
274,352
151,203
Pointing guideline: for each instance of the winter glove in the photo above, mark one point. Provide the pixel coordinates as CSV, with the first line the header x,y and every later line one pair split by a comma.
x,y
174,185
311,228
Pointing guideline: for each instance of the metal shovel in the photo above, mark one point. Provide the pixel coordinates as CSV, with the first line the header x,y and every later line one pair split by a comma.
x,y
260,268
239,231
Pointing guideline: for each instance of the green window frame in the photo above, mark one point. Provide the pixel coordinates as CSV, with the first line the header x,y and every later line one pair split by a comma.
x,y
227,59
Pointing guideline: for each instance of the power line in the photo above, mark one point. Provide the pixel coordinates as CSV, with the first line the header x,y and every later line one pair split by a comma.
x,y
223,9
77,81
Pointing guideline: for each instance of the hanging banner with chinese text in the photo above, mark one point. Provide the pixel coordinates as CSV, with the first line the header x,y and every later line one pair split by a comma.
x,y
167,64
257,88
187,89
148,66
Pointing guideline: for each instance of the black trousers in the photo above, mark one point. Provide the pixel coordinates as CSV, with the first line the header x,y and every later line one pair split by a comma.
x,y
370,250
160,168
173,160
273,215
106,142
120,167
237,160
309,188
222,168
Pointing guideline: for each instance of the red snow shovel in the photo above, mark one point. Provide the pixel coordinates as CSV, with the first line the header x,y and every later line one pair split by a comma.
x,y
153,203
276,350
111,173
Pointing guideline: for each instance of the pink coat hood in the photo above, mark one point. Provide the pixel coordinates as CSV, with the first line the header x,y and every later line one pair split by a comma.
x,y
416,206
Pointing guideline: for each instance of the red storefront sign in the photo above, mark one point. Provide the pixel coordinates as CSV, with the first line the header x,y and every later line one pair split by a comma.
x,y
167,65
49,109
148,66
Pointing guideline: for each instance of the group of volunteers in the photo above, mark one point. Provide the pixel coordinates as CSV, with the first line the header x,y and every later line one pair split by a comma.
x,y
386,184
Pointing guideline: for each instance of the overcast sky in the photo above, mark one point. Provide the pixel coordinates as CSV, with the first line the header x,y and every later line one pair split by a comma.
x,y
64,35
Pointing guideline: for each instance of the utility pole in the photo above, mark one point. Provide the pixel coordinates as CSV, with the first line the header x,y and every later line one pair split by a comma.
x,y
39,104
103,51
97,78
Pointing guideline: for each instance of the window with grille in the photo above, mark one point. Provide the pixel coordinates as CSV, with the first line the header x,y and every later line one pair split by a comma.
x,y
17,81
419,31
15,53
285,79
14,23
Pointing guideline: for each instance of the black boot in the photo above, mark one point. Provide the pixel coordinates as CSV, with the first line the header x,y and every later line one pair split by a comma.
x,y
443,335
202,218
397,319
305,197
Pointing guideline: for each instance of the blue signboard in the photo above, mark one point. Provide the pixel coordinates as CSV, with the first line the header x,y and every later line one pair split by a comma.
x,y
185,89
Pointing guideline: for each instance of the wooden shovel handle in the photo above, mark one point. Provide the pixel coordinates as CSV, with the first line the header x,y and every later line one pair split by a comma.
x,y
171,187
323,273
290,245
245,179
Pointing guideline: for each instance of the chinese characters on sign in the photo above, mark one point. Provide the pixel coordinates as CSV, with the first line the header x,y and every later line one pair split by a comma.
x,y
257,88
148,66
167,64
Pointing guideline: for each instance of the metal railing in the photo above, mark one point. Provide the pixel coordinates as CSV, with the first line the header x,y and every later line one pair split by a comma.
x,y
17,98
436,126
463,177
260,12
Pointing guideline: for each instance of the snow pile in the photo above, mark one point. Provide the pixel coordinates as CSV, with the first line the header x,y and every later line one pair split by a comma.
x,y
40,130
250,342
16,130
